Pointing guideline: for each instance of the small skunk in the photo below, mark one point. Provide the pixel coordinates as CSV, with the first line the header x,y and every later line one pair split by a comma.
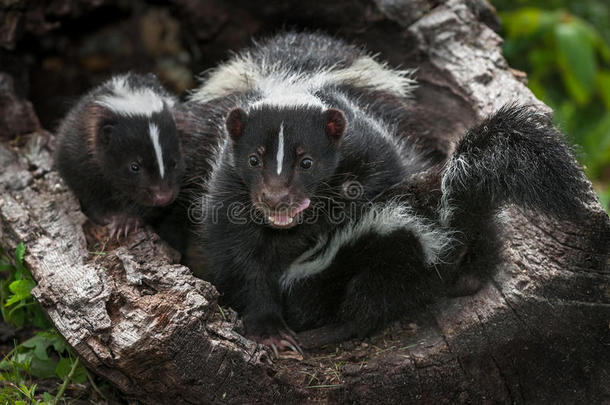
x,y
301,169
310,194
119,151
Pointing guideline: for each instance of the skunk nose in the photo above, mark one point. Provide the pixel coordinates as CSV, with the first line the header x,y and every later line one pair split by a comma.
x,y
161,198
275,198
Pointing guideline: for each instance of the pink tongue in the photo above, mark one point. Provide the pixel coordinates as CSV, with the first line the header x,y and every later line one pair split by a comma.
x,y
282,217
302,207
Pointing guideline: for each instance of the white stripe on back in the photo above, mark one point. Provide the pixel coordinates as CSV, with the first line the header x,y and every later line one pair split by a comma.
x,y
279,84
379,219
280,149
154,136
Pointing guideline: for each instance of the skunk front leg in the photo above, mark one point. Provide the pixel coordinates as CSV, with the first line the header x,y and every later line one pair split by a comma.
x,y
262,314
252,290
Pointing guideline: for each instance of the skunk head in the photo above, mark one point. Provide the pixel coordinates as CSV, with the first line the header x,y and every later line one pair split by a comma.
x,y
282,154
134,139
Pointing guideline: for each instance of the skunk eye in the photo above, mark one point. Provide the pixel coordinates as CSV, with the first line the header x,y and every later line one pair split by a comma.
x,y
134,167
254,161
306,163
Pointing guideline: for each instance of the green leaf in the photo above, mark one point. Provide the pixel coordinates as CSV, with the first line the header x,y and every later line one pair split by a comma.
x,y
39,319
535,85
59,344
20,270
528,21
48,398
21,290
28,392
43,368
600,45
4,266
39,343
63,367
598,146
522,22
17,318
603,85
22,287
20,253
23,360
541,59
80,374
576,59
604,198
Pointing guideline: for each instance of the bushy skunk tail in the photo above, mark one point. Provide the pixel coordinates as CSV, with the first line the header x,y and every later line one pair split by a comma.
x,y
515,156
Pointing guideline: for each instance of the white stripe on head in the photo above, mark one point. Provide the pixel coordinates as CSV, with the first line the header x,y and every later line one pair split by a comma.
x,y
280,149
154,136
129,101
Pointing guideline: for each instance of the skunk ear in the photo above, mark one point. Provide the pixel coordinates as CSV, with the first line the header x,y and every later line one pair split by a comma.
x,y
335,123
236,121
105,133
100,125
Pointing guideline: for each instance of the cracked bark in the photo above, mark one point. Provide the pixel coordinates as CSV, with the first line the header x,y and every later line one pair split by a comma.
x,y
537,332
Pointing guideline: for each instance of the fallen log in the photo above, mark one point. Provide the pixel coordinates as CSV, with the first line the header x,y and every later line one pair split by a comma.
x,y
538,331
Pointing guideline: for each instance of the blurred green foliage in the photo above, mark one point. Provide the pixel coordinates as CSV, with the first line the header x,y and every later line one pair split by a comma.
x,y
17,306
564,47
46,355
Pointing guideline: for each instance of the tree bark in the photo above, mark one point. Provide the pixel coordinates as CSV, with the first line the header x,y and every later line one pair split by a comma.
x,y
538,331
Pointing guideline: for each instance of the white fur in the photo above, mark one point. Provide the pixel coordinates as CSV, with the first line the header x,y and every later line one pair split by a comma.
x,y
237,75
381,220
367,72
455,168
280,149
154,136
279,85
129,101
288,97
503,216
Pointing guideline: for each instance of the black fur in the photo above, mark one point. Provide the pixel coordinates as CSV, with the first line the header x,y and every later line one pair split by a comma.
x,y
305,52
246,256
96,148
245,253
373,281
515,156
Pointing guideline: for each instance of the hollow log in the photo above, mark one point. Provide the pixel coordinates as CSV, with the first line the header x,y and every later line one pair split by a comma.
x,y
538,331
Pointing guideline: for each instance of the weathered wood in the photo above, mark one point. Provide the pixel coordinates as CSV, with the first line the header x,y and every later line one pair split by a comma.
x,y
18,116
536,332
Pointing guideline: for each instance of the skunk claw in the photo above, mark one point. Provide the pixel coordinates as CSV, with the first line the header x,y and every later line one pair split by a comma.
x,y
283,340
121,226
